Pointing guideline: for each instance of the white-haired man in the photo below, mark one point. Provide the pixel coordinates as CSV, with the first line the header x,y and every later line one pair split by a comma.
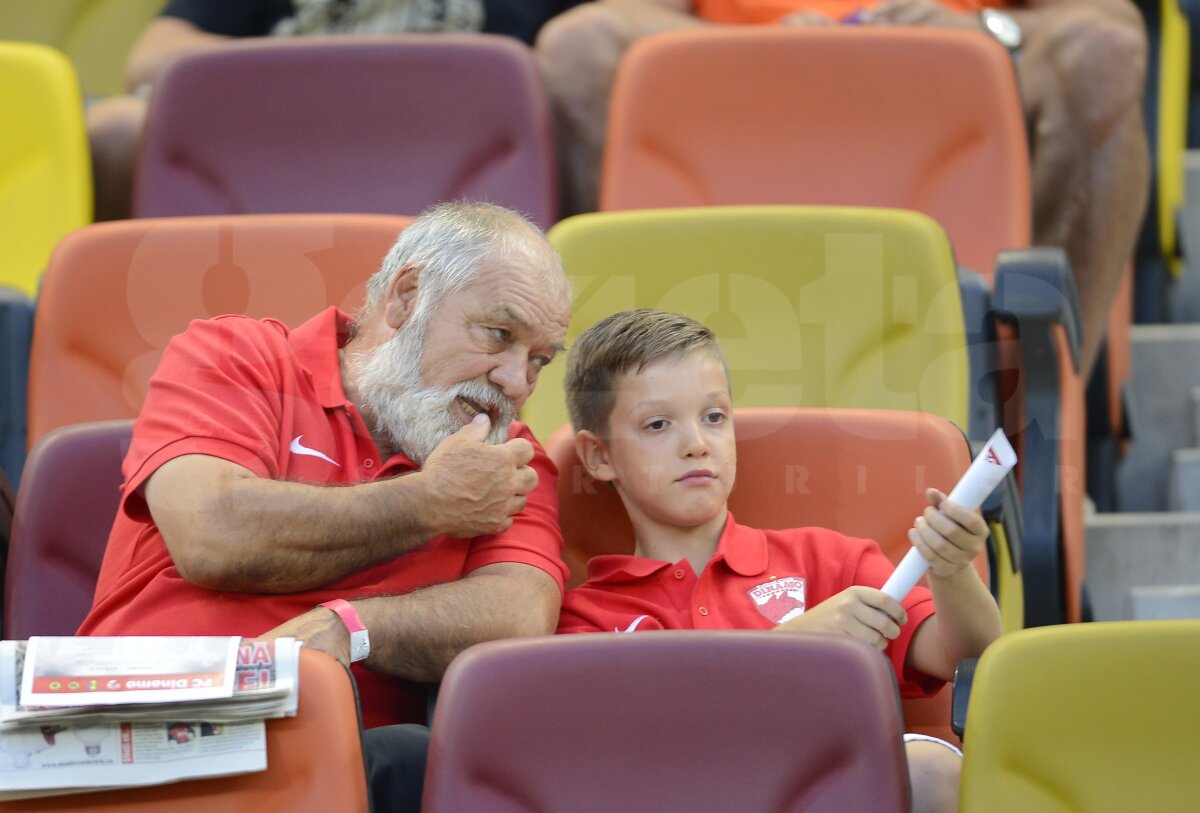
x,y
359,476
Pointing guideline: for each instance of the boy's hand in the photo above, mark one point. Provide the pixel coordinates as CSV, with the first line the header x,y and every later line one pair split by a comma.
x,y
948,536
860,612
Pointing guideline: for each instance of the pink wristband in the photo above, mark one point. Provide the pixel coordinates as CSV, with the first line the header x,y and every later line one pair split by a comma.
x,y
360,641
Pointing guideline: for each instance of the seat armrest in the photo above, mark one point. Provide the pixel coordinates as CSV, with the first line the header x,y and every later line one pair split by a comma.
x,y
16,334
964,676
1035,291
976,294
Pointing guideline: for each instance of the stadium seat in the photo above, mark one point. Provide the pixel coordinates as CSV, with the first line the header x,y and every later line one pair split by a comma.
x,y
1096,717
96,35
386,124
64,510
860,472
726,115
45,168
115,293
314,763
669,722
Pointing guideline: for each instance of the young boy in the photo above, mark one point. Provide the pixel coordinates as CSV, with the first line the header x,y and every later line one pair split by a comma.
x,y
649,398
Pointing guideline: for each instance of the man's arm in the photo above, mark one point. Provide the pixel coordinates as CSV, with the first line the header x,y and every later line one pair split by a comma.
x,y
227,529
416,635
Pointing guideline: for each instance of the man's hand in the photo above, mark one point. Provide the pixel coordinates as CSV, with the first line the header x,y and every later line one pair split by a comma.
x,y
477,488
920,12
319,628
948,536
860,612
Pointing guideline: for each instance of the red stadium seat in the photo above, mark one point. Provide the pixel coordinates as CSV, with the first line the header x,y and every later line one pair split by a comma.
x,y
336,124
674,722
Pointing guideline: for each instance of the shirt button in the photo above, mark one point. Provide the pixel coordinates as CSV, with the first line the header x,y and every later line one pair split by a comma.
x,y
703,611
679,574
368,464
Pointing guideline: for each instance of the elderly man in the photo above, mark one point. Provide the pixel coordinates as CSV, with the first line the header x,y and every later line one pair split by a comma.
x,y
358,473
1080,65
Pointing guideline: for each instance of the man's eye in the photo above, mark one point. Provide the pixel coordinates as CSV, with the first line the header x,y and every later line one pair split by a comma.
x,y
501,334
539,362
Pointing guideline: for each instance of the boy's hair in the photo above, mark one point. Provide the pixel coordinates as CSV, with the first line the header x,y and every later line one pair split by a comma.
x,y
617,344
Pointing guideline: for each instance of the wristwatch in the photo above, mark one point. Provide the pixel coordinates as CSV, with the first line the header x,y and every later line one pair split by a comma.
x,y
360,641
1003,28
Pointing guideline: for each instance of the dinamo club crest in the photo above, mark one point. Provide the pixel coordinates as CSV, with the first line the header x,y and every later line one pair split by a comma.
x,y
780,600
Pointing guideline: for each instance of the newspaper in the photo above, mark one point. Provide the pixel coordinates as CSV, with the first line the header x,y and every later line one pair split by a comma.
x,y
198,708
257,679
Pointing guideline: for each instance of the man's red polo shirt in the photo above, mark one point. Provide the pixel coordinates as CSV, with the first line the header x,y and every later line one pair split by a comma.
x,y
254,393
756,580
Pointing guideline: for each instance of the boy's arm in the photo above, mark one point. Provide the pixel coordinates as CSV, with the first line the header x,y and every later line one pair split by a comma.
x,y
949,537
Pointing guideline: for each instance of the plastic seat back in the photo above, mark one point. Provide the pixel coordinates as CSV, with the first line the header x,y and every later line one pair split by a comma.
x,y
814,306
115,293
910,118
45,167
65,508
1097,717
386,124
314,762
674,721
860,472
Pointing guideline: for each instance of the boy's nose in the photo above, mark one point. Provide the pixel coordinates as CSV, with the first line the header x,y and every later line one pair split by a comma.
x,y
694,442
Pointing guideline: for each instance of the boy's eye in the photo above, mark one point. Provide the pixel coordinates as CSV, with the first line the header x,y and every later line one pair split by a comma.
x,y
716,416
656,424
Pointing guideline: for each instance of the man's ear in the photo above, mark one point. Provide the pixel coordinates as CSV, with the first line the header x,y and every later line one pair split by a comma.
x,y
401,298
593,453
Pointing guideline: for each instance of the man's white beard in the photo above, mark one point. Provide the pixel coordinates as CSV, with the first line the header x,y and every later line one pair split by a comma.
x,y
416,418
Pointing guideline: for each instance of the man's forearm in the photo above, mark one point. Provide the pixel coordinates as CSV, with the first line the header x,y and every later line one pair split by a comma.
x,y
415,636
251,534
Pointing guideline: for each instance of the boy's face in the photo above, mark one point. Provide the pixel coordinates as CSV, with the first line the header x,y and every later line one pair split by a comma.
x,y
670,449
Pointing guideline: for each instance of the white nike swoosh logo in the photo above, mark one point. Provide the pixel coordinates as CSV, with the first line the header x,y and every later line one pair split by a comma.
x,y
299,448
633,625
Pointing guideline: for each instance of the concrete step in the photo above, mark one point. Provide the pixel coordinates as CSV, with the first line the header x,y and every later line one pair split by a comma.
x,y
1165,370
1139,550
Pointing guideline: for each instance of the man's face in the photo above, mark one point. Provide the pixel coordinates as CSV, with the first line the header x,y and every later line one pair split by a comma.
x,y
479,349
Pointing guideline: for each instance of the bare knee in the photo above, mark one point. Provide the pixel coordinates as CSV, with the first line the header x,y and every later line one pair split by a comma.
x,y
934,772
1097,61
579,50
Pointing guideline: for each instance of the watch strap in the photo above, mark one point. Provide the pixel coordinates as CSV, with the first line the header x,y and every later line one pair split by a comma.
x,y
360,640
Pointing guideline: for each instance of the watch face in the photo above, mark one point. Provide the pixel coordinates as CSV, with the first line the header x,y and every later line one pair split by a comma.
x,y
1003,27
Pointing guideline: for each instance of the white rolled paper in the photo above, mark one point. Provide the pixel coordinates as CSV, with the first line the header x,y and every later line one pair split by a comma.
x,y
985,473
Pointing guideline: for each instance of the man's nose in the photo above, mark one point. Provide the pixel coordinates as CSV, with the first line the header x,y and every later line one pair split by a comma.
x,y
511,374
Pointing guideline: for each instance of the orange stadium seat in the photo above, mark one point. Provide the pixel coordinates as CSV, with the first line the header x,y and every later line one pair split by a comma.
x,y
115,293
314,763
385,124
674,722
904,117
860,472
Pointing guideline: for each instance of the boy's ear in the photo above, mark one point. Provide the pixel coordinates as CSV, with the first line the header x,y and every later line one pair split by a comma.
x,y
594,456
401,297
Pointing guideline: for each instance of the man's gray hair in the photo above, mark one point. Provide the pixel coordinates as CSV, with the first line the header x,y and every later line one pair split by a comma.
x,y
447,243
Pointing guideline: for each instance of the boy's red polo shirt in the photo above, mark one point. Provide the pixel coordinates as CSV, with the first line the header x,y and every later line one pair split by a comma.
x,y
756,580
770,11
254,393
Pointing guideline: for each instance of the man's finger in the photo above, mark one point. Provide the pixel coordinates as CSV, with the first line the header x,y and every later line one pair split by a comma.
x,y
521,449
477,430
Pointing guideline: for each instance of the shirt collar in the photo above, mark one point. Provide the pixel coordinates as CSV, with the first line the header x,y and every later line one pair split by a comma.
x,y
316,344
742,549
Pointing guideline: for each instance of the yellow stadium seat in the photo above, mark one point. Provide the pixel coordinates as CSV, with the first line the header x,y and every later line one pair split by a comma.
x,y
1085,717
45,170
815,306
96,35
